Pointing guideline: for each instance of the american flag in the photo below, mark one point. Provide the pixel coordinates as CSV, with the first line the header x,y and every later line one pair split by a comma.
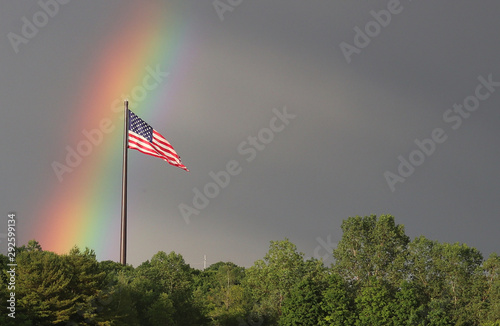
x,y
145,139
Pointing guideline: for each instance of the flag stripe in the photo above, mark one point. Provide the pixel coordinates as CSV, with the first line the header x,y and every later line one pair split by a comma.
x,y
141,144
164,144
139,136
167,150
137,141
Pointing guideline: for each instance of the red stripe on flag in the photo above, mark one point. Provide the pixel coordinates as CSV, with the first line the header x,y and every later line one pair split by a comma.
x,y
159,147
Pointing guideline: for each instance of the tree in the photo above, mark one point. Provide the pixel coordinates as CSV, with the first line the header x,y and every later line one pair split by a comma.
x,y
337,303
144,293
378,279
42,279
410,307
447,274
438,313
271,280
33,245
460,264
116,304
161,311
87,281
54,289
171,275
303,307
491,293
422,266
371,247
6,288
227,299
375,303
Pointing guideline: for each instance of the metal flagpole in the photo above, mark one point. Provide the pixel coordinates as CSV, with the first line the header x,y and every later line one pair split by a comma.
x,y
123,235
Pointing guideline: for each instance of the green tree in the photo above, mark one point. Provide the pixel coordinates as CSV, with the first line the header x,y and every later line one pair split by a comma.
x,y
226,297
169,274
375,303
54,289
6,288
410,307
422,266
491,292
438,313
379,278
337,303
271,280
116,304
448,274
33,245
161,311
303,307
87,281
371,246
41,284
144,292
459,263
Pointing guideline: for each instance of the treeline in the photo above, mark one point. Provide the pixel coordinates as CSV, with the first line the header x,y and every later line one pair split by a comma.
x,y
379,277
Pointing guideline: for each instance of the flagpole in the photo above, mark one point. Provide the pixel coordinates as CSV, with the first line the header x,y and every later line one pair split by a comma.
x,y
123,234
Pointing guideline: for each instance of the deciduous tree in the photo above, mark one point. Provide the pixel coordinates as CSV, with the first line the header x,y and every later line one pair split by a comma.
x,y
271,280
371,246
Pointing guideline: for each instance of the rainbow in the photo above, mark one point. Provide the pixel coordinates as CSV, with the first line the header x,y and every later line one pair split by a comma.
x,y
84,209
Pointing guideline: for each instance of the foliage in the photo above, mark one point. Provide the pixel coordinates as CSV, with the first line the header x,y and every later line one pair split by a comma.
x,y
219,291
410,305
270,280
52,289
379,277
371,247
303,307
337,303
166,279
375,303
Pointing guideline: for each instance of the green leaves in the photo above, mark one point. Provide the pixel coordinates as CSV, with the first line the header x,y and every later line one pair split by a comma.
x,y
225,298
166,281
337,303
371,247
303,306
271,280
375,303
379,278
54,289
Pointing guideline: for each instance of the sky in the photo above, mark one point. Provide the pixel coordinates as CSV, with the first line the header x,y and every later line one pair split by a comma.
x,y
291,116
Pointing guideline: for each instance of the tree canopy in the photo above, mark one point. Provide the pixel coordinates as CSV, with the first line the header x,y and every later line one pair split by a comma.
x,y
380,277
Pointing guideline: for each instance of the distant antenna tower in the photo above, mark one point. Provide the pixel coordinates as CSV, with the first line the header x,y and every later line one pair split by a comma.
x,y
204,262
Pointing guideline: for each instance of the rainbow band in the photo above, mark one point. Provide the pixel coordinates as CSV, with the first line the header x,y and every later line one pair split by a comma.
x,y
84,209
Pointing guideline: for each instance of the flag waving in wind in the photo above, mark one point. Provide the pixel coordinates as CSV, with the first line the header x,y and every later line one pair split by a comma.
x,y
142,137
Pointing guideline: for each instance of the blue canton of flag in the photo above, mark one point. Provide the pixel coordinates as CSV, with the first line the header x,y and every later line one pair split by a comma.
x,y
140,127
